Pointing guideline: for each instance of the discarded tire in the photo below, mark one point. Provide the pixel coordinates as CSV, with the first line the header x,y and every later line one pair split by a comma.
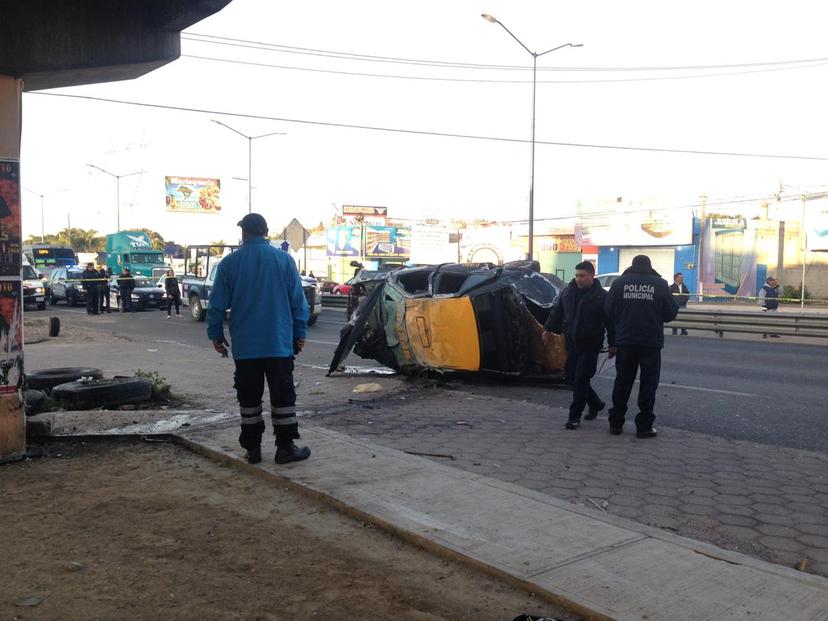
x,y
35,401
103,392
46,379
54,326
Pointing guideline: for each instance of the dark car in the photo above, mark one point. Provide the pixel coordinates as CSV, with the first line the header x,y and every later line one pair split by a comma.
x,y
147,294
456,318
65,284
326,285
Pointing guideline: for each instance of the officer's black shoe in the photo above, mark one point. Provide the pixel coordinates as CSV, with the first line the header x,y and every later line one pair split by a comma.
x,y
616,431
254,455
643,434
287,454
593,413
572,424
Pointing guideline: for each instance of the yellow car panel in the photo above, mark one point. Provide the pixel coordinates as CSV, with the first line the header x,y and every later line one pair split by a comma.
x,y
442,333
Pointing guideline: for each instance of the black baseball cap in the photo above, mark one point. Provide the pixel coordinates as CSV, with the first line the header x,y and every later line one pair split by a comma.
x,y
254,224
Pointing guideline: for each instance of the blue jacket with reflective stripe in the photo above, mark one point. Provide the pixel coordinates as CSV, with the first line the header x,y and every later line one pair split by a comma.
x,y
262,286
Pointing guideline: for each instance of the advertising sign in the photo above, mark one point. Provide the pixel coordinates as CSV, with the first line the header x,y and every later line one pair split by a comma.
x,y
816,224
361,210
634,223
11,337
193,194
387,241
343,241
10,226
430,245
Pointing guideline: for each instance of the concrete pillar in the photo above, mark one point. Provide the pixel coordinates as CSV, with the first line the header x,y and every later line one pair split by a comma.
x,y
12,411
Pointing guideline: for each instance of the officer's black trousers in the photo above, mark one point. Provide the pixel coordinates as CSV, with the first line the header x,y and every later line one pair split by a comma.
x,y
627,362
580,368
91,299
250,380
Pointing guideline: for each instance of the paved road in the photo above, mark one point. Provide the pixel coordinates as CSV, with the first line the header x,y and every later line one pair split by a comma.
x,y
771,392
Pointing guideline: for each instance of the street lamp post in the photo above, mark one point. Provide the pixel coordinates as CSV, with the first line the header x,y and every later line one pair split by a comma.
x,y
117,189
42,217
250,140
535,56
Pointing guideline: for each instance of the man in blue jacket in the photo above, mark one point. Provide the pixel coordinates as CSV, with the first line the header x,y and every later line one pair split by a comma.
x,y
639,303
268,325
578,313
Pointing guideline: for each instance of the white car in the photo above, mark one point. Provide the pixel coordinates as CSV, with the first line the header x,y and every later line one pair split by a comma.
x,y
607,279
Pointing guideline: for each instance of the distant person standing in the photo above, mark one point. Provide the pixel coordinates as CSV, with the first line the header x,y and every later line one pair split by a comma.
x,y
103,289
769,299
89,280
681,294
126,285
578,313
639,303
173,293
268,326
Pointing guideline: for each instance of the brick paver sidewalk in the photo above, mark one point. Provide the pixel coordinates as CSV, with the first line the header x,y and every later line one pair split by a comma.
x,y
761,500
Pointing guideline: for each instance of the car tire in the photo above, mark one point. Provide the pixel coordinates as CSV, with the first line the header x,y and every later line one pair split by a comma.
x,y
196,310
54,326
46,379
312,319
72,298
35,401
41,305
103,392
52,299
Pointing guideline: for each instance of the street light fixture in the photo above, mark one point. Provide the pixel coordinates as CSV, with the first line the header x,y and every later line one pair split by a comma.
x,y
117,188
42,219
250,140
535,56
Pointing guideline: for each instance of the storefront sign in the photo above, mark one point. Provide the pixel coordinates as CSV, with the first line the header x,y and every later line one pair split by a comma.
x,y
634,223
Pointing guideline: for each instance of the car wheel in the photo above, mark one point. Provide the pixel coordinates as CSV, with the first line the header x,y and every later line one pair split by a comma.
x,y
52,299
196,310
312,319
41,305
72,298
54,326
46,379
108,392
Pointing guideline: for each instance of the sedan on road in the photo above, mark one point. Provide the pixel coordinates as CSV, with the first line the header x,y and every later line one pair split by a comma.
x,y
145,295
65,284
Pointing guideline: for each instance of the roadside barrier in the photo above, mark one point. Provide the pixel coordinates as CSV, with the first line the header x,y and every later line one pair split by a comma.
x,y
334,301
753,322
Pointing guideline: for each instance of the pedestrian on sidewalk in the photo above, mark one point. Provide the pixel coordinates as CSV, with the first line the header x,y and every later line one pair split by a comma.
x,y
126,285
681,294
173,293
268,326
89,280
578,314
105,274
769,299
638,304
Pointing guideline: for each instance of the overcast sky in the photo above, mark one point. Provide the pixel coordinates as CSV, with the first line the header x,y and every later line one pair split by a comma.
x,y
762,109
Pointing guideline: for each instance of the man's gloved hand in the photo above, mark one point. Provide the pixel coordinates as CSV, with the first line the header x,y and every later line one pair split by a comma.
x,y
221,346
298,344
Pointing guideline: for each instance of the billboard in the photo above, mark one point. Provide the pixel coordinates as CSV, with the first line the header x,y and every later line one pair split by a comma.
x,y
361,210
816,224
192,194
633,223
10,228
387,242
430,244
343,241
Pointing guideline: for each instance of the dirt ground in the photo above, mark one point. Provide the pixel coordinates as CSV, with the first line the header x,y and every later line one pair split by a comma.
x,y
130,530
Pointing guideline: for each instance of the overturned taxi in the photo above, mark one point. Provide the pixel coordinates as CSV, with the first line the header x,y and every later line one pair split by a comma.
x,y
457,318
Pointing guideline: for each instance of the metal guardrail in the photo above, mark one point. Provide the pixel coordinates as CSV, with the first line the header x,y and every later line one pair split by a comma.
x,y
334,301
756,322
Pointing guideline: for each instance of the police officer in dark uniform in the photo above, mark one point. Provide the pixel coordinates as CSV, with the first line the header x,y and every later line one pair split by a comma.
x,y
103,289
578,313
126,284
89,280
639,303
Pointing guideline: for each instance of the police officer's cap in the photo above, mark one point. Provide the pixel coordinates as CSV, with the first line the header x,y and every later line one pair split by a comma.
x,y
253,224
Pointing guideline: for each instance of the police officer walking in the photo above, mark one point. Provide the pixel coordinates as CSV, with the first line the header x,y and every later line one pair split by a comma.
x,y
268,326
639,303
578,313
89,280
103,288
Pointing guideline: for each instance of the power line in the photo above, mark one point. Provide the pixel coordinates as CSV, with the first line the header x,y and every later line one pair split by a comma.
x,y
484,81
245,43
417,132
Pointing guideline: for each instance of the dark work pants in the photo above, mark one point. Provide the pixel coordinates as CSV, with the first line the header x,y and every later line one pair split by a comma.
x,y
126,299
580,368
250,380
627,362
173,300
103,295
91,299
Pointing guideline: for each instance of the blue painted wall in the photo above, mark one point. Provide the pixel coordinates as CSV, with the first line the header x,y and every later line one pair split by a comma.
x,y
607,260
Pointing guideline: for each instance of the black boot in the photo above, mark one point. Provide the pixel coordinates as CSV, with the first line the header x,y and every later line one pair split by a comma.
x,y
288,453
254,455
592,414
